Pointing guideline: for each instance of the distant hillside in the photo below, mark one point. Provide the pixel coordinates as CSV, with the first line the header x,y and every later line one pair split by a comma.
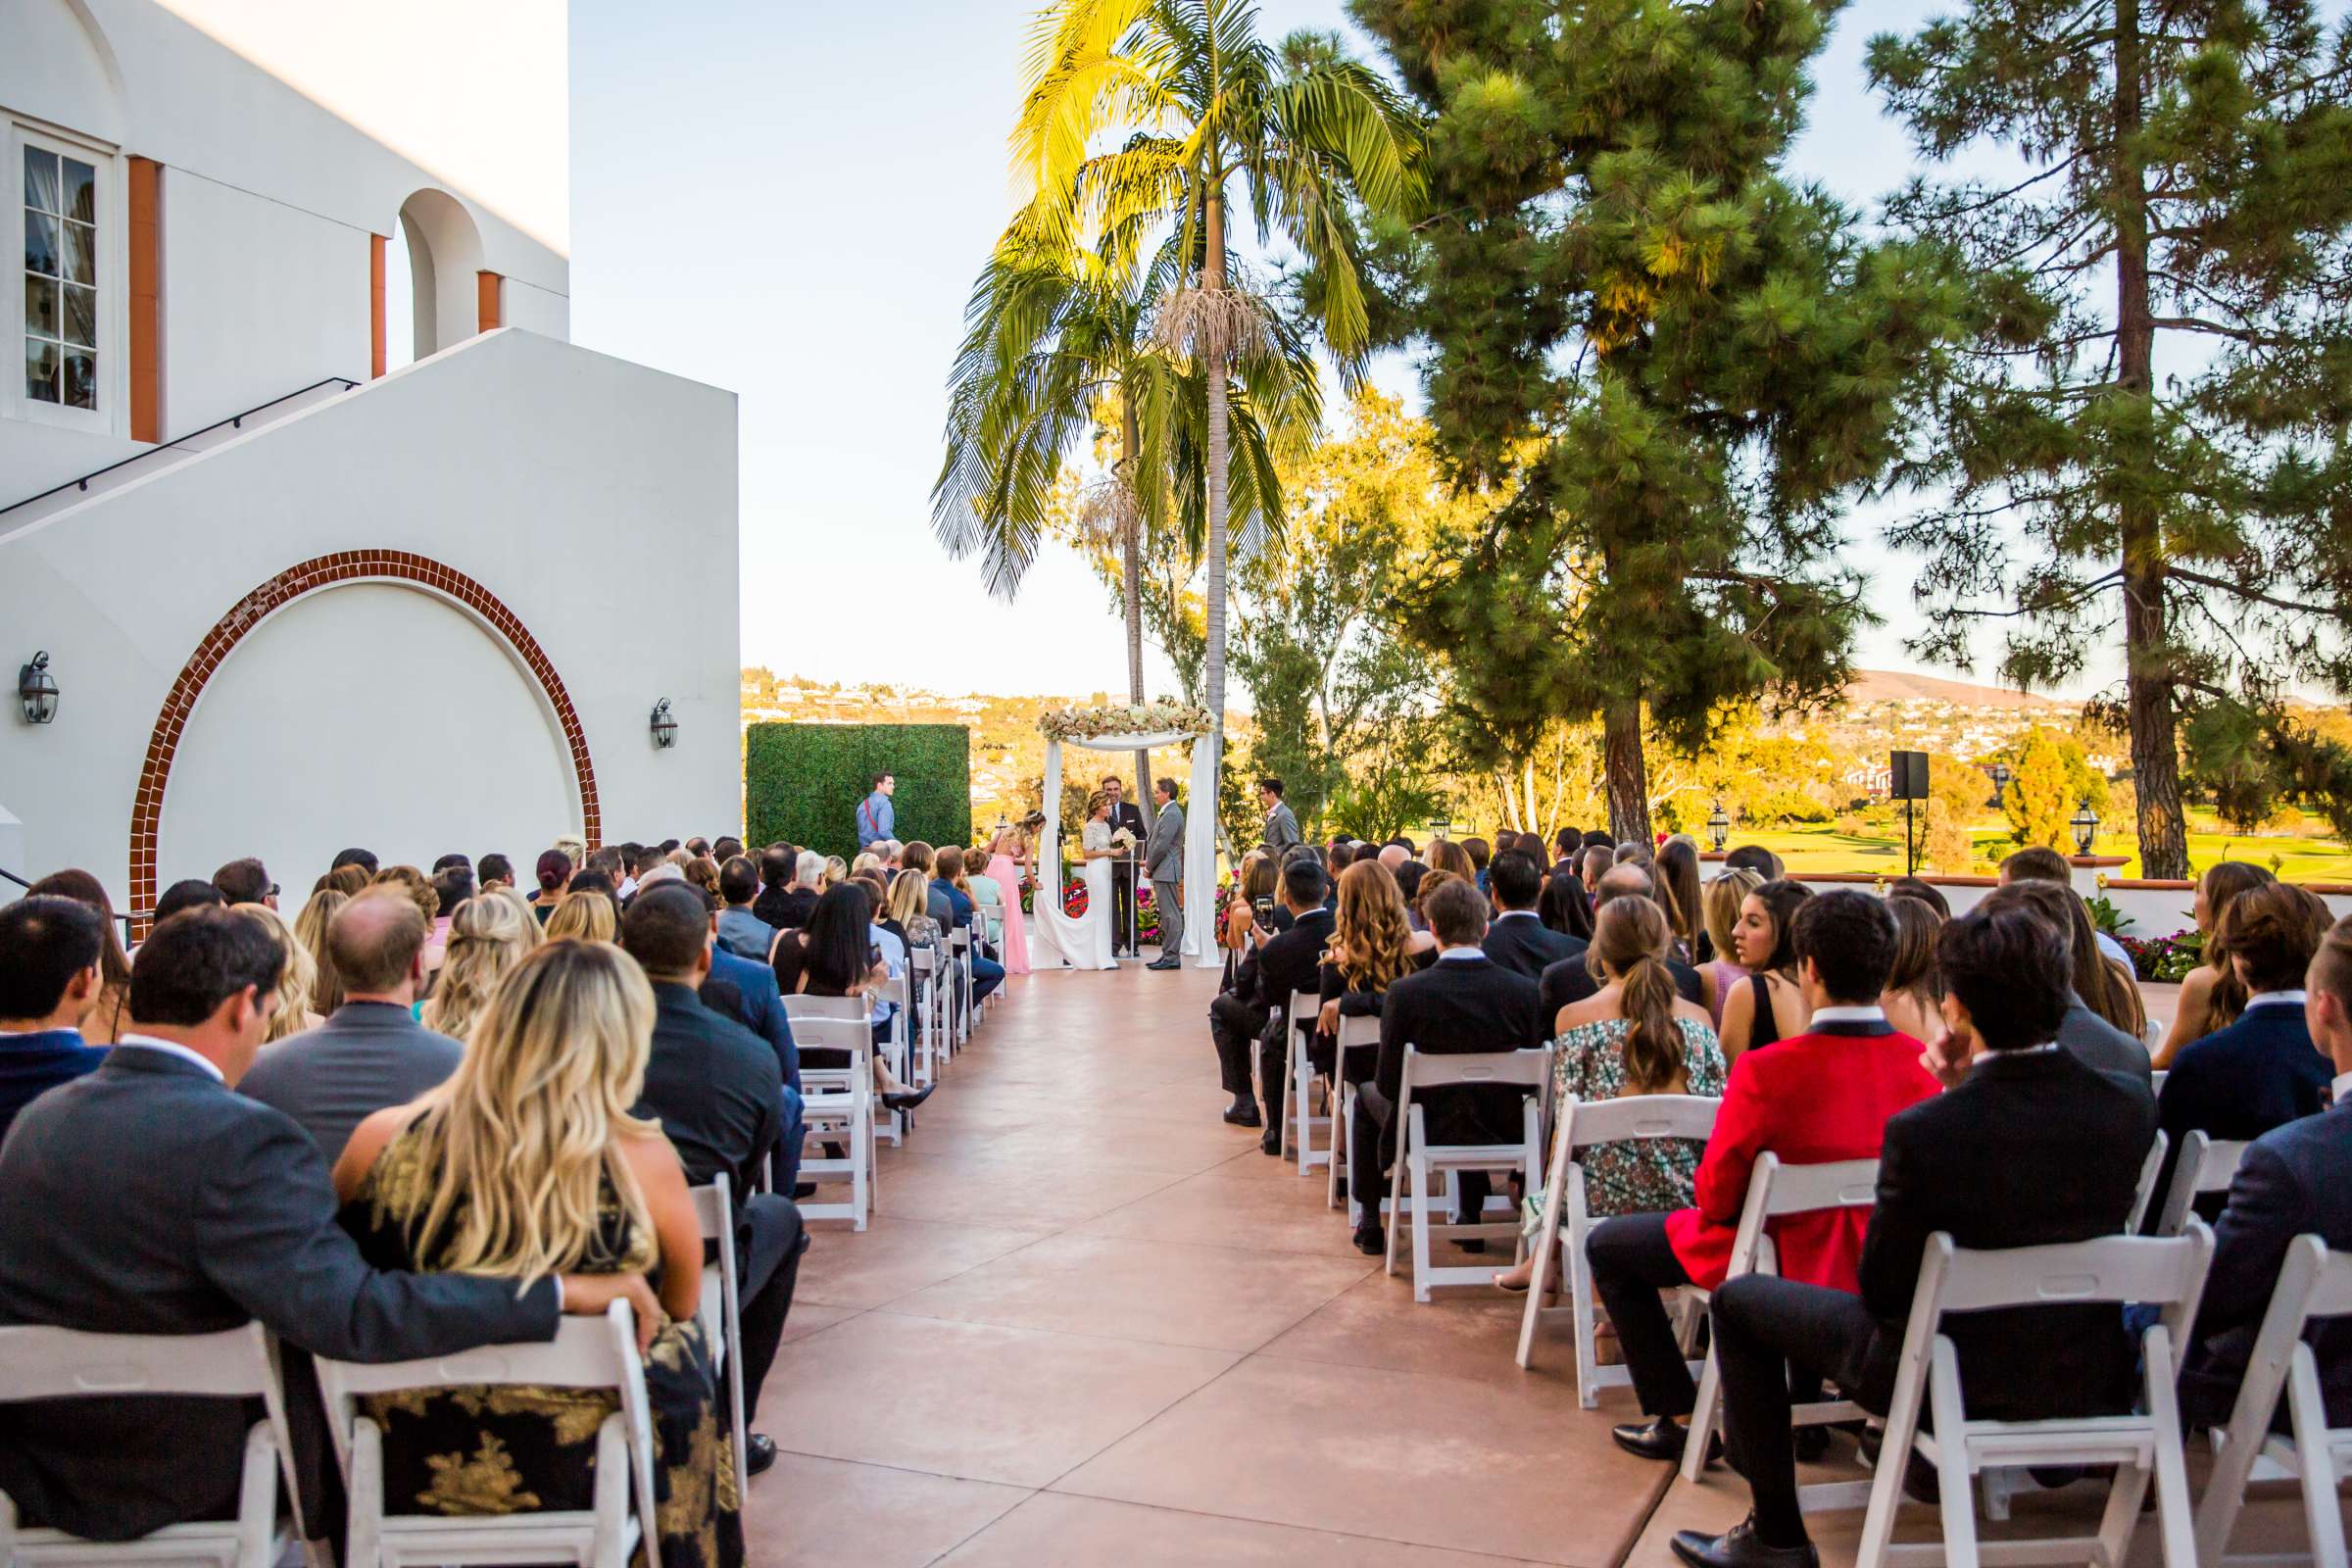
x,y
1898,686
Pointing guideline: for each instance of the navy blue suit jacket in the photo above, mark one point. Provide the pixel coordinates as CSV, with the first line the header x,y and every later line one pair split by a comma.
x,y
34,1063
763,1008
2238,1083
2295,1180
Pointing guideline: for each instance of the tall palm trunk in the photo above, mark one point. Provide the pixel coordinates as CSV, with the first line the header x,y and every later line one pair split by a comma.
x,y
1132,578
1213,353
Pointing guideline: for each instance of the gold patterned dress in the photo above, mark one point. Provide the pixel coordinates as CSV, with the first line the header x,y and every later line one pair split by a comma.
x,y
517,1449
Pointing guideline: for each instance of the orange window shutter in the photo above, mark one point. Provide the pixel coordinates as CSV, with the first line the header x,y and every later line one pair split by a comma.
x,y
490,290
376,306
145,317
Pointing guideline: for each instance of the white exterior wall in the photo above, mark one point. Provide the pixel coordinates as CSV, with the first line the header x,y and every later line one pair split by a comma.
x,y
272,183
556,478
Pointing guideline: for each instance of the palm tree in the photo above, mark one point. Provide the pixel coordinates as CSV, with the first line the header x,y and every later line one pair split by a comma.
x,y
1201,101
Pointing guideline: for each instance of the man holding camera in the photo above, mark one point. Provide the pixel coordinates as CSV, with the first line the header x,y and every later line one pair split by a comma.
x,y
1276,966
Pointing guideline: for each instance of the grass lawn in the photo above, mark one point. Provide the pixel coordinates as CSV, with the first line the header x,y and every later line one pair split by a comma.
x,y
1824,848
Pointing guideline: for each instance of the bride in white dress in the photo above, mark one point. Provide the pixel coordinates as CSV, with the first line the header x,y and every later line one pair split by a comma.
x,y
1056,941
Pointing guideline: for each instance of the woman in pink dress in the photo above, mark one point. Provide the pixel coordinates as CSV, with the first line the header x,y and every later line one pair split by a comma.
x,y
1008,863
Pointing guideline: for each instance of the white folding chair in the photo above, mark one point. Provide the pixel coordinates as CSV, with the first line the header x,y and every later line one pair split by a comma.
x,y
1298,1088
1356,1033
839,1100
2156,1080
1581,1125
2145,1193
924,972
959,944
2205,1165
1418,1159
2165,1272
2313,1282
598,1352
887,1124
722,1310
1774,1192
51,1363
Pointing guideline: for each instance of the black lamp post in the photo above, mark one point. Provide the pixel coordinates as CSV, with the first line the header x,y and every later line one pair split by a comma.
x,y
1719,827
665,728
36,690
2087,829
1440,826
2000,781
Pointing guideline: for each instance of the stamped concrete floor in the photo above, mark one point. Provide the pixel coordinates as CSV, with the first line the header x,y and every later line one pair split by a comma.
x,y
1091,1323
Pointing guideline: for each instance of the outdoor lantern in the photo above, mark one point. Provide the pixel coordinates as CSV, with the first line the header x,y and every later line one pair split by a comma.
x,y
36,689
665,728
2087,829
2000,781
1440,826
1719,827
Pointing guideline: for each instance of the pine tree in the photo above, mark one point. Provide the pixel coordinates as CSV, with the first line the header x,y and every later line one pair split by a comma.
x,y
2154,432
1677,360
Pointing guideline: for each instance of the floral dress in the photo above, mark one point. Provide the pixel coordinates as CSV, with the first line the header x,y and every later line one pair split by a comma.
x,y
1641,1175
526,1449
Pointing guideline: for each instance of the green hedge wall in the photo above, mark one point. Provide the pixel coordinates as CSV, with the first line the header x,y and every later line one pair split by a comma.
x,y
802,782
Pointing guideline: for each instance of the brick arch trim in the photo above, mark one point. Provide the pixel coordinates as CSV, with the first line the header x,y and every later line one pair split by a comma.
x,y
329,571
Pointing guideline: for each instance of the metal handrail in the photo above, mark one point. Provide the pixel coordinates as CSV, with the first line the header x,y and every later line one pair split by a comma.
x,y
128,920
237,421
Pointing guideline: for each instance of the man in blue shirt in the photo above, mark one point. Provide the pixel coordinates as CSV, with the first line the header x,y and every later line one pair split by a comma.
x,y
49,973
875,820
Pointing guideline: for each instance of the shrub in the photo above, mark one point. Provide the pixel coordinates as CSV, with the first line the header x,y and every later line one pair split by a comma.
x,y
801,782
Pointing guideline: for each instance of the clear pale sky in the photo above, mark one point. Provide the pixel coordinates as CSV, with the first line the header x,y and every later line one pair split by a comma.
x,y
792,200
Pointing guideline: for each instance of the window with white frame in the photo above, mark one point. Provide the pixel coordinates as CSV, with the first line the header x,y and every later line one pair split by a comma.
x,y
61,277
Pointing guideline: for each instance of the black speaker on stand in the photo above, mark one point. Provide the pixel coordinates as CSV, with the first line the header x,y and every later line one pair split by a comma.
x,y
1907,781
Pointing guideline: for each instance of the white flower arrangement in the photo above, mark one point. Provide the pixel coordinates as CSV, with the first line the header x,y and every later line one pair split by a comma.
x,y
1159,717
1123,839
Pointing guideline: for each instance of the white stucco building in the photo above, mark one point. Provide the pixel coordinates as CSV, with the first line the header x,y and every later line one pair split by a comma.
x,y
352,545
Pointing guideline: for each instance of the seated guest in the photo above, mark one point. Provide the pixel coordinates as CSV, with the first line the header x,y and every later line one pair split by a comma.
x,y
1571,980
246,881
1563,906
1445,855
1371,948
295,979
725,847
584,914
1676,877
987,974
1594,863
2211,994
1814,1099
718,1092
2087,1033
555,877
1482,854
778,863
2104,978
372,1053
452,886
2295,1180
191,894
917,856
752,1000
310,929
1719,906
1569,845
1913,999
526,1162
489,937
2041,863
150,1198
1754,858
1924,891
108,1013
2261,1071
364,860
50,968
1772,1005
1275,966
835,955
1252,902
1633,1037
1464,1003
1517,939
494,872
2028,1147
741,931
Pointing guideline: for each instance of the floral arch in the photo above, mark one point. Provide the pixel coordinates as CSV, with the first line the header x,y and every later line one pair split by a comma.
x,y
1132,727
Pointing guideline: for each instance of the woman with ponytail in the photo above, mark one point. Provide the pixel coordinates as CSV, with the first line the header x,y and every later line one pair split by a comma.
x,y
1634,1036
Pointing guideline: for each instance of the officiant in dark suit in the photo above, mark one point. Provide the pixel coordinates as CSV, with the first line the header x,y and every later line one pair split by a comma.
x,y
1124,813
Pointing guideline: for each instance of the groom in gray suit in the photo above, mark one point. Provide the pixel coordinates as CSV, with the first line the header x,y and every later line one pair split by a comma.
x,y
1163,864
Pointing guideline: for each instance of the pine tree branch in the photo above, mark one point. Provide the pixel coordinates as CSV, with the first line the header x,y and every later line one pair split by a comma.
x,y
2195,324
2089,590
2239,590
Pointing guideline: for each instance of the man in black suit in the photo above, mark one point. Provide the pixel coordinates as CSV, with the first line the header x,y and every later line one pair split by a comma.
x,y
2295,1180
1568,980
1517,940
719,1094
1464,1003
1276,966
150,1198
1124,813
2027,1147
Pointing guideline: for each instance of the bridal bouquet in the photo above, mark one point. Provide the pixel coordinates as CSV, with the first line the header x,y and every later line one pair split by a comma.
x,y
1123,840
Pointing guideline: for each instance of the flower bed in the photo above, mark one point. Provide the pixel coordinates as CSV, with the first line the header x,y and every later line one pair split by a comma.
x,y
2165,958
1162,717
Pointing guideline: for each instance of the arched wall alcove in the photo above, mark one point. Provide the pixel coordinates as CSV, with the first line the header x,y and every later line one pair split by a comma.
x,y
445,260
373,694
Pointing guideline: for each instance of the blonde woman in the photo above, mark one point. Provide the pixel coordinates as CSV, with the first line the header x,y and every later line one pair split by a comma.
x,y
310,929
488,937
530,912
837,871
294,981
527,1163
583,916
1720,904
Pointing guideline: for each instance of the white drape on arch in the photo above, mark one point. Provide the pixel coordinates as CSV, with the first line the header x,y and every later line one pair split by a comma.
x,y
1199,830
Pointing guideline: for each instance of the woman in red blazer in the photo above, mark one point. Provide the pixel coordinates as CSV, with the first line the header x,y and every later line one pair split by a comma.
x,y
1814,1099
